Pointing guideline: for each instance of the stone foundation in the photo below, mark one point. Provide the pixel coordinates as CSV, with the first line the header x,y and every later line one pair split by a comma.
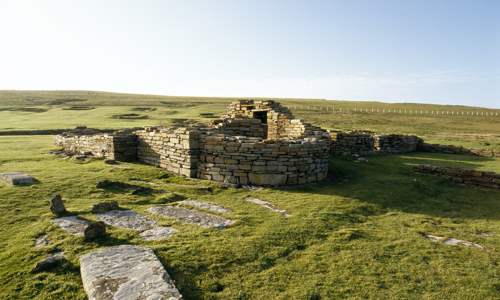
x,y
469,177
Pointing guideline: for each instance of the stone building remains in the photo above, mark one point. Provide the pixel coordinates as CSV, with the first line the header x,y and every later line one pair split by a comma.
x,y
254,143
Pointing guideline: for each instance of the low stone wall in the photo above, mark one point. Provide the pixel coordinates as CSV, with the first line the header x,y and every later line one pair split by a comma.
x,y
450,149
352,142
468,177
119,145
396,143
369,143
174,149
246,160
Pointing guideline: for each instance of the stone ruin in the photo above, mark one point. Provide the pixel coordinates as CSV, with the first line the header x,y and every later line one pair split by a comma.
x,y
254,143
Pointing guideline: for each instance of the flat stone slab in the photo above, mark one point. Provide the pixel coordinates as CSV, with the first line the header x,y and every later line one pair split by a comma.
x,y
157,233
207,206
268,205
146,182
42,241
127,219
71,224
194,186
126,272
120,167
452,241
16,178
191,216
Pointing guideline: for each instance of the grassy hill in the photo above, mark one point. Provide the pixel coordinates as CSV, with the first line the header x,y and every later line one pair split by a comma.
x,y
357,235
67,109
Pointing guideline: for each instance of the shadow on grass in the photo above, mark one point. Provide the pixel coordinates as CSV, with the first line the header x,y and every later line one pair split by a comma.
x,y
389,183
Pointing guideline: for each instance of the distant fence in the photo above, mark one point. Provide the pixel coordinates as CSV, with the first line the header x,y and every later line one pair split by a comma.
x,y
332,109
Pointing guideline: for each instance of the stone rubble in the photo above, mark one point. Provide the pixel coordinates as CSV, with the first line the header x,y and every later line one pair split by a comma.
x,y
71,224
207,206
17,178
191,216
268,206
126,272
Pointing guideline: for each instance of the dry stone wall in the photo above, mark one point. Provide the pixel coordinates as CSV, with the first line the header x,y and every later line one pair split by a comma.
x,y
240,127
369,143
246,160
174,149
119,145
396,143
450,149
468,177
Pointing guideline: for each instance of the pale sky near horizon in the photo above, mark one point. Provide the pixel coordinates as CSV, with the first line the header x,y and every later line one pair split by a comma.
x,y
421,51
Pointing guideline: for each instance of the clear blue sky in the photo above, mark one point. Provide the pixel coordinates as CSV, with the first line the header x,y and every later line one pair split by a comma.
x,y
426,51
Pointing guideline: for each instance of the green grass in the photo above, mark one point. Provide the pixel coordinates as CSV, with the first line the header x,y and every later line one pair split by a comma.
x,y
355,236
27,110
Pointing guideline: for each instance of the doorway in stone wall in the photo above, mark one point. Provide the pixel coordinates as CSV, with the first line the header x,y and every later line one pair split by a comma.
x,y
262,116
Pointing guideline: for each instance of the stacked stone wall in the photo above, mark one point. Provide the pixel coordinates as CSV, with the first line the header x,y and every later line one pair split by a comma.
x,y
240,127
120,145
352,142
450,149
467,177
174,149
396,143
244,160
369,143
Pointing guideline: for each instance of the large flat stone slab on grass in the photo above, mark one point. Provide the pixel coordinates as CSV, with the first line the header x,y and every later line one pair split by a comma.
x,y
268,205
207,206
191,216
453,241
16,178
71,224
127,219
126,272
157,233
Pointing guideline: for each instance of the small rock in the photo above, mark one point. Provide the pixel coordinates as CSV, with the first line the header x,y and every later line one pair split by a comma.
x,y
105,206
49,261
57,205
95,230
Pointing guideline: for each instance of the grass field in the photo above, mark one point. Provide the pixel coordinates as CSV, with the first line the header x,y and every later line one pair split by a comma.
x,y
357,235
21,110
